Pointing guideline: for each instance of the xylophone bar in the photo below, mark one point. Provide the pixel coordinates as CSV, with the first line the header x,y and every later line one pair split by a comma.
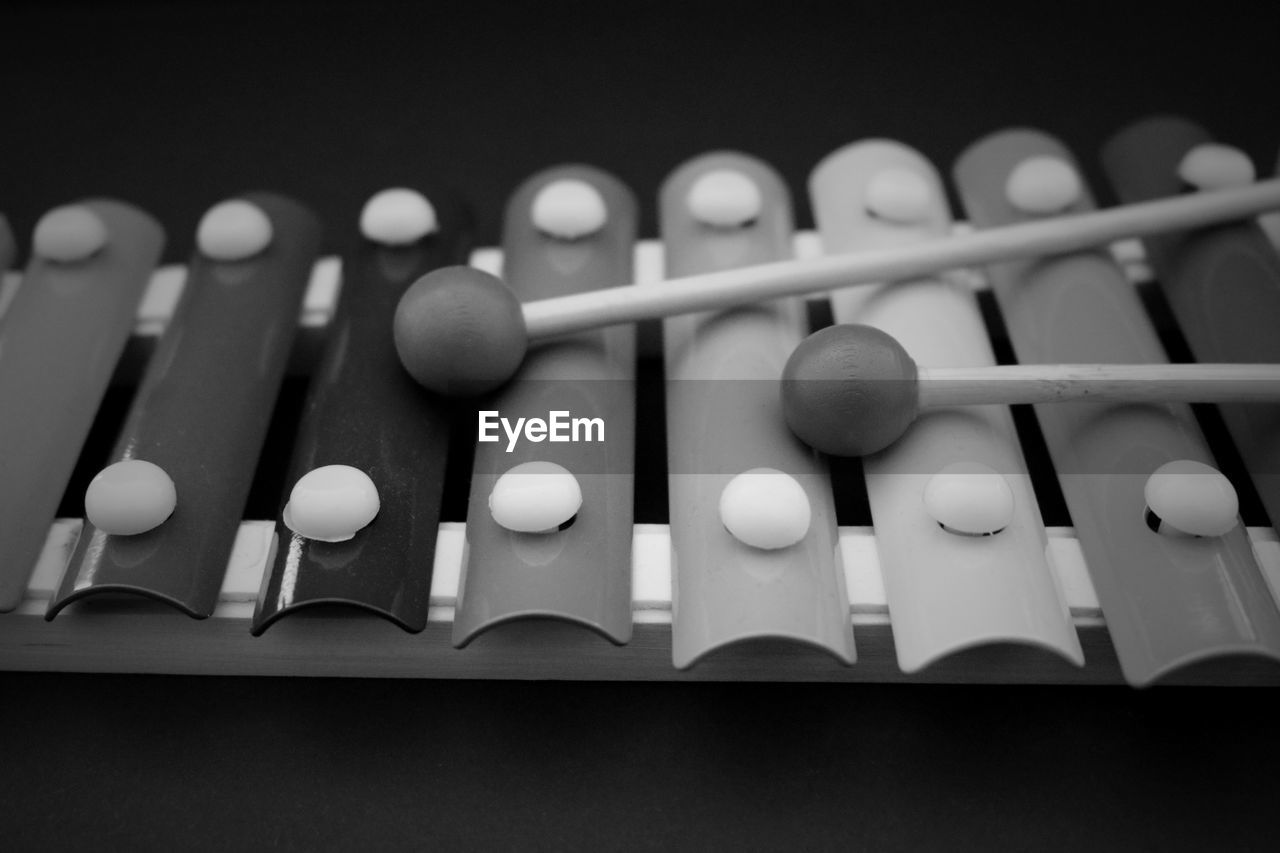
x,y
365,412
199,415
724,416
947,592
577,573
142,637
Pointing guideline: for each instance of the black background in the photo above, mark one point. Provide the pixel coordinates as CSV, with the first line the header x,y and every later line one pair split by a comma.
x,y
177,106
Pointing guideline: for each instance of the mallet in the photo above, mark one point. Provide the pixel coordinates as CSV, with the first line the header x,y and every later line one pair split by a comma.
x,y
460,331
852,390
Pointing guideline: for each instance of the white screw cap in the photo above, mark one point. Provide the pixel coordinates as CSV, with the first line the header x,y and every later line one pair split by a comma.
x,y
1216,167
535,497
900,196
569,210
130,497
233,231
397,217
1042,186
765,508
1192,498
969,498
724,198
331,503
69,234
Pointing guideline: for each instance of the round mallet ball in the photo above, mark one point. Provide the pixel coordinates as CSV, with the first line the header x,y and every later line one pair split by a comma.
x,y
849,390
460,331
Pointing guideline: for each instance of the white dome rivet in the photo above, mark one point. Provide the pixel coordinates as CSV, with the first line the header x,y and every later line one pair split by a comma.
x,y
724,198
397,217
969,498
130,497
331,503
569,210
765,508
69,234
1212,166
1042,186
900,196
535,497
1192,498
233,231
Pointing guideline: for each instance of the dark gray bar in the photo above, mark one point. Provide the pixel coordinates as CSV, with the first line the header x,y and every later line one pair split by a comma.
x,y
365,411
201,414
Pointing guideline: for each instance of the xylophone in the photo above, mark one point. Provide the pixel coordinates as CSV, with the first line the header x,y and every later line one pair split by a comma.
x,y
947,574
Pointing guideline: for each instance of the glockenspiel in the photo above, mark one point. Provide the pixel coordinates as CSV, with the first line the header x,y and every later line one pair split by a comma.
x,y
645,576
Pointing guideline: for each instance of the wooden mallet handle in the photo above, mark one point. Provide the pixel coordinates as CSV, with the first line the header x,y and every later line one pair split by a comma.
x,y
1098,383
745,285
